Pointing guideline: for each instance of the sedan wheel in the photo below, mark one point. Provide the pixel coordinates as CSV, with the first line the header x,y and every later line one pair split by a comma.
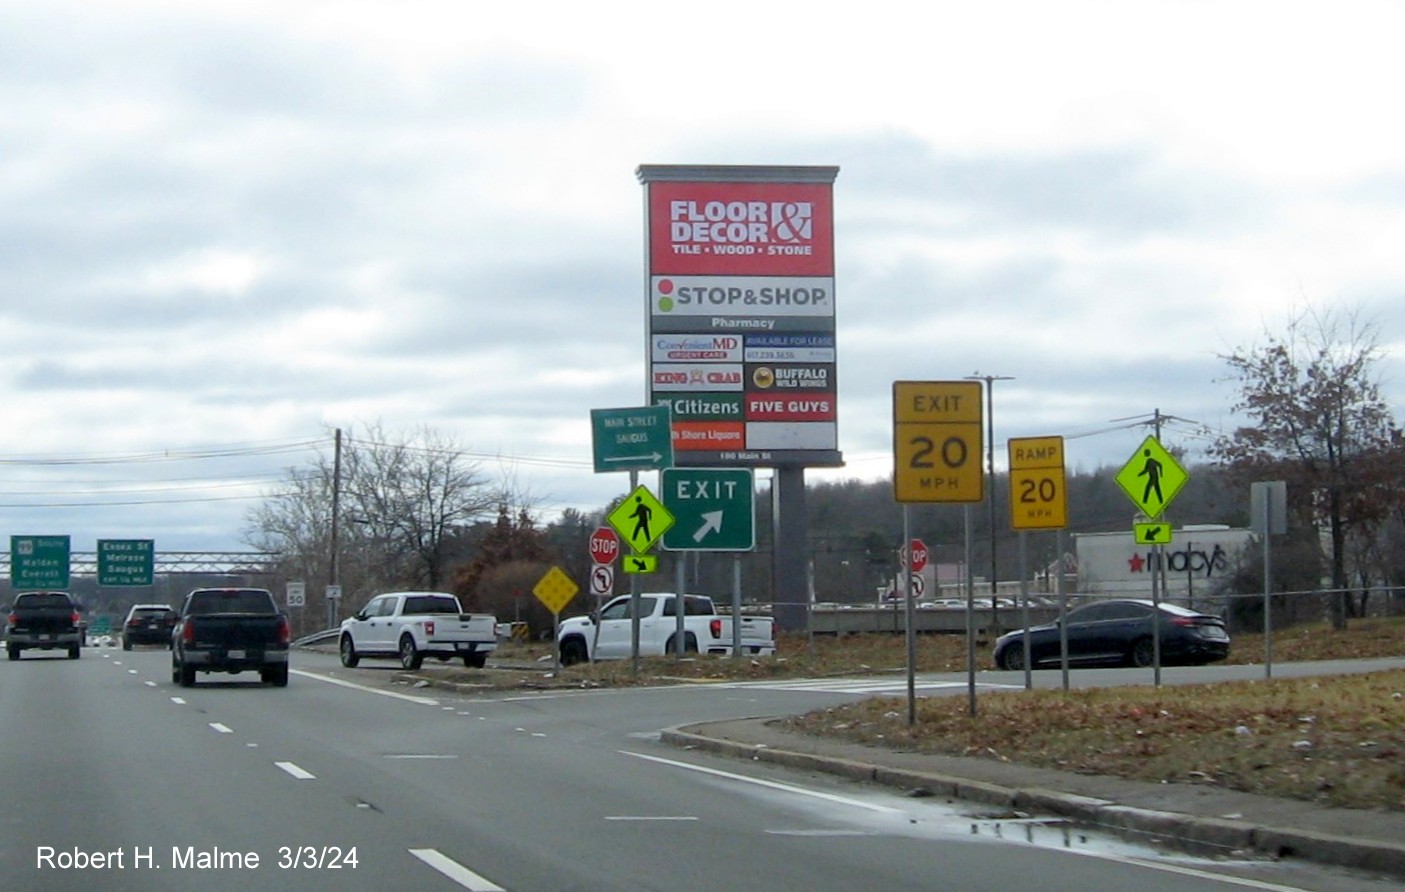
x,y
1012,658
1143,653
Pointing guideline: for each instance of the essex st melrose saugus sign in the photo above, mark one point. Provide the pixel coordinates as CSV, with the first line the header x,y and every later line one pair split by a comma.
x,y
126,562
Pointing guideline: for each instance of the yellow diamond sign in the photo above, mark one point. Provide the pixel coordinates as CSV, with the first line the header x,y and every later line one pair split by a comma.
x,y
555,589
1152,477
641,520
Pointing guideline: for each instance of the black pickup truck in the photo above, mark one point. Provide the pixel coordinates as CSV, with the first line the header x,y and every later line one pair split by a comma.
x,y
230,630
44,620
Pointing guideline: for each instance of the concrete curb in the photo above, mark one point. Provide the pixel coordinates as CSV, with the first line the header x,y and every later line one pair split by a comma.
x,y
1191,833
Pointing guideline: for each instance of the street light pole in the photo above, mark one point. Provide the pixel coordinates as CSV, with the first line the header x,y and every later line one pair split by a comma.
x,y
990,496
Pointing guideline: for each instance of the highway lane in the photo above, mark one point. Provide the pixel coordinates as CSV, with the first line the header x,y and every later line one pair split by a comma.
x,y
439,791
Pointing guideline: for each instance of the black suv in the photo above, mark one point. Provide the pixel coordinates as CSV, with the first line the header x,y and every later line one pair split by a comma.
x,y
148,624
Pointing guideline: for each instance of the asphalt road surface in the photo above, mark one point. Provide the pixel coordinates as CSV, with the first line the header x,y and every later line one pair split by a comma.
x,y
114,778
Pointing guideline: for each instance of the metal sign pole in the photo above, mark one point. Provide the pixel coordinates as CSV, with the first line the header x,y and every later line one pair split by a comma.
x,y
910,614
1063,610
633,599
970,622
1268,623
1024,607
736,605
680,581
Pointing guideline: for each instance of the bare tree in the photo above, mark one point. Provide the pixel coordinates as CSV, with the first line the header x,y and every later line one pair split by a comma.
x,y
1320,423
405,503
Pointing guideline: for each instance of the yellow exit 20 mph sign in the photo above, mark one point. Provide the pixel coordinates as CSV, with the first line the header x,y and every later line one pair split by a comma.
x,y
937,441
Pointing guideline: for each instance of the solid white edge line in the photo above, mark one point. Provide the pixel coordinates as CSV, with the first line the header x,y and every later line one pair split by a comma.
x,y
296,771
789,788
455,871
1122,859
423,701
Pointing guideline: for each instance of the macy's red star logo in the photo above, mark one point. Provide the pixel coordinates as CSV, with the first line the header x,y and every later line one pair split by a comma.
x,y
1136,563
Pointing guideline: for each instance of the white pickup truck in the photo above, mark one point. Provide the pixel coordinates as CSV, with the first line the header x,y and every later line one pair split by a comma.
x,y
414,625
607,635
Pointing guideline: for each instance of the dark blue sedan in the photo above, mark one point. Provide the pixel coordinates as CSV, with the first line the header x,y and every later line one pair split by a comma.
x,y
1119,633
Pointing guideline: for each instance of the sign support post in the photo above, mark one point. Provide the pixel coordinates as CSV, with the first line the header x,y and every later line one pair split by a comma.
x,y
936,458
1151,478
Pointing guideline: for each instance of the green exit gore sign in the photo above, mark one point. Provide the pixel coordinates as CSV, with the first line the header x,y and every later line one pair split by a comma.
x,y
130,562
714,509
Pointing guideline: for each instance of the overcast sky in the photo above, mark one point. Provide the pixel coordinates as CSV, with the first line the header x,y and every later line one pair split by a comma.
x,y
228,226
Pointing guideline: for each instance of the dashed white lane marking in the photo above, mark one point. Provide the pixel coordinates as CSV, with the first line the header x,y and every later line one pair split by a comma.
x,y
651,817
179,701
296,771
456,871
423,701
222,728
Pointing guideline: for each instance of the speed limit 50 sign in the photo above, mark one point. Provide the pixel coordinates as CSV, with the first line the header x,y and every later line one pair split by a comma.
x,y
937,441
1038,496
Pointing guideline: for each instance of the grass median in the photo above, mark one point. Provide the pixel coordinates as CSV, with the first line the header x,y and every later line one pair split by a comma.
x,y
1335,739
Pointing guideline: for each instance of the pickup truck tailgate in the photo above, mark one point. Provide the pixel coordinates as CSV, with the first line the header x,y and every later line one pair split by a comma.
x,y
233,631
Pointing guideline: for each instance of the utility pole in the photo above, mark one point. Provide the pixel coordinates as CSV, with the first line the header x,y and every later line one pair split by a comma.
x,y
335,572
990,492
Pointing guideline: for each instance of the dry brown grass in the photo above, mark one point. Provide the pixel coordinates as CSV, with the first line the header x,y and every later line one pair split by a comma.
x,y
1337,739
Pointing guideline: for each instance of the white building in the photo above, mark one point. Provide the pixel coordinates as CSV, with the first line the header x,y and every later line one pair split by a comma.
x,y
1197,561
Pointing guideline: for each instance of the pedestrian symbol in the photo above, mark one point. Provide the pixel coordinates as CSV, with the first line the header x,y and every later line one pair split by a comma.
x,y
641,519
1152,477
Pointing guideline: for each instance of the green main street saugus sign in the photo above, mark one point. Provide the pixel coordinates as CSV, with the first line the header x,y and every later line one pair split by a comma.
x,y
635,439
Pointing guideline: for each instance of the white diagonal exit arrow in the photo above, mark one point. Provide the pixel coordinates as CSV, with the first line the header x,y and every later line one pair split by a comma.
x,y
712,523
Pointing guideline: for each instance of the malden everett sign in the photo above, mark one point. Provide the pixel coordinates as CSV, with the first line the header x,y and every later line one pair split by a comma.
x,y
740,290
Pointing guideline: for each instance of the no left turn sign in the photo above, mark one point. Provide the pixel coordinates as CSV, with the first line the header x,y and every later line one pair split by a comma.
x,y
602,579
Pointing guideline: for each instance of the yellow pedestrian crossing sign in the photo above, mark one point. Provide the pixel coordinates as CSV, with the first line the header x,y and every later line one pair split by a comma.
x,y
1152,477
641,519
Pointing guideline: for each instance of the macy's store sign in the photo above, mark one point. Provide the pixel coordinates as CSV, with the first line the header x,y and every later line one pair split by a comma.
x,y
1198,558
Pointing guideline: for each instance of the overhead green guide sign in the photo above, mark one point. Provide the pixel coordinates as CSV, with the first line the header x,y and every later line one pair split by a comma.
x,y
130,562
39,562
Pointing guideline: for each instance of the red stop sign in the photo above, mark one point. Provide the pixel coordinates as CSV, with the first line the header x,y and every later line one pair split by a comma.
x,y
917,555
604,546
